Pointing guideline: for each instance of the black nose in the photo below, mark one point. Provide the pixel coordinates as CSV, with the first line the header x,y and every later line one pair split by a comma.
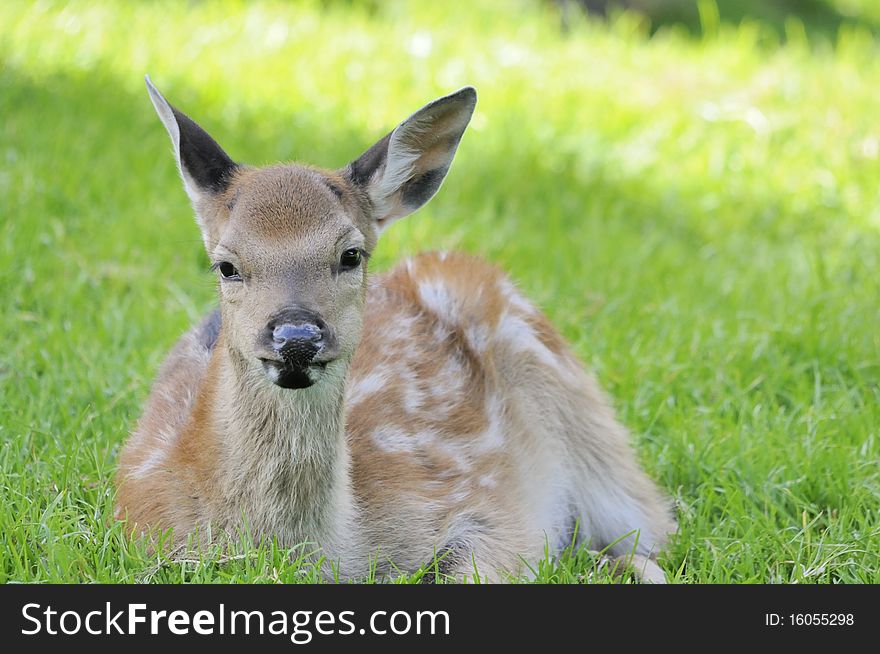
x,y
297,336
297,344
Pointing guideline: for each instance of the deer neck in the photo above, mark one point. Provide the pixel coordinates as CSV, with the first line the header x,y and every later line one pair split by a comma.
x,y
284,456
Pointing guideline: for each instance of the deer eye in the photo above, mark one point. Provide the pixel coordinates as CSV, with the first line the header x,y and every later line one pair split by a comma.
x,y
350,259
228,271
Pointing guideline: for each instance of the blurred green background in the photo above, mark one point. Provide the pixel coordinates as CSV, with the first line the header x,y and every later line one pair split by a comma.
x,y
818,17
689,191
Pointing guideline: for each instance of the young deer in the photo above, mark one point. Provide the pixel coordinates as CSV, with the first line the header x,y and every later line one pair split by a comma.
x,y
432,411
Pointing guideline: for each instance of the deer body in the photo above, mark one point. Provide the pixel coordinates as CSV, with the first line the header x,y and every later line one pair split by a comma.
x,y
432,410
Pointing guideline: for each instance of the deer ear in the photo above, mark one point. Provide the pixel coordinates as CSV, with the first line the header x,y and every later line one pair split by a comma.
x,y
205,168
404,170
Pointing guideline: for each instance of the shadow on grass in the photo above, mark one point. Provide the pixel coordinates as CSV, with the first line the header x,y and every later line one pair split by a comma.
x,y
89,129
89,151
820,18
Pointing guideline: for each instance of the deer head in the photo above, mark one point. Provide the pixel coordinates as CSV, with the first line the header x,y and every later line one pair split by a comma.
x,y
290,243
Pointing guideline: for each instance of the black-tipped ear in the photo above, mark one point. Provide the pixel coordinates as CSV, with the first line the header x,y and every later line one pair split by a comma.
x,y
406,168
204,166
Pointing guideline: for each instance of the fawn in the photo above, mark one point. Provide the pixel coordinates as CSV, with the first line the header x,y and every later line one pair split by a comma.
x,y
428,414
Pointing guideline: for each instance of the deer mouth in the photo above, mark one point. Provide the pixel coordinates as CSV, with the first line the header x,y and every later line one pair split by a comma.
x,y
293,375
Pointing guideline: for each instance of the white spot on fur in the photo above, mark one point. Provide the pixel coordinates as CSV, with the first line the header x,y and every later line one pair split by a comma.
x,y
478,337
493,438
441,333
435,297
401,328
450,375
393,439
413,398
519,336
459,453
515,298
408,382
366,386
157,456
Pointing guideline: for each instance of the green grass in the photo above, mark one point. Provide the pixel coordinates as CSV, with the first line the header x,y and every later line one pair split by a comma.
x,y
700,216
